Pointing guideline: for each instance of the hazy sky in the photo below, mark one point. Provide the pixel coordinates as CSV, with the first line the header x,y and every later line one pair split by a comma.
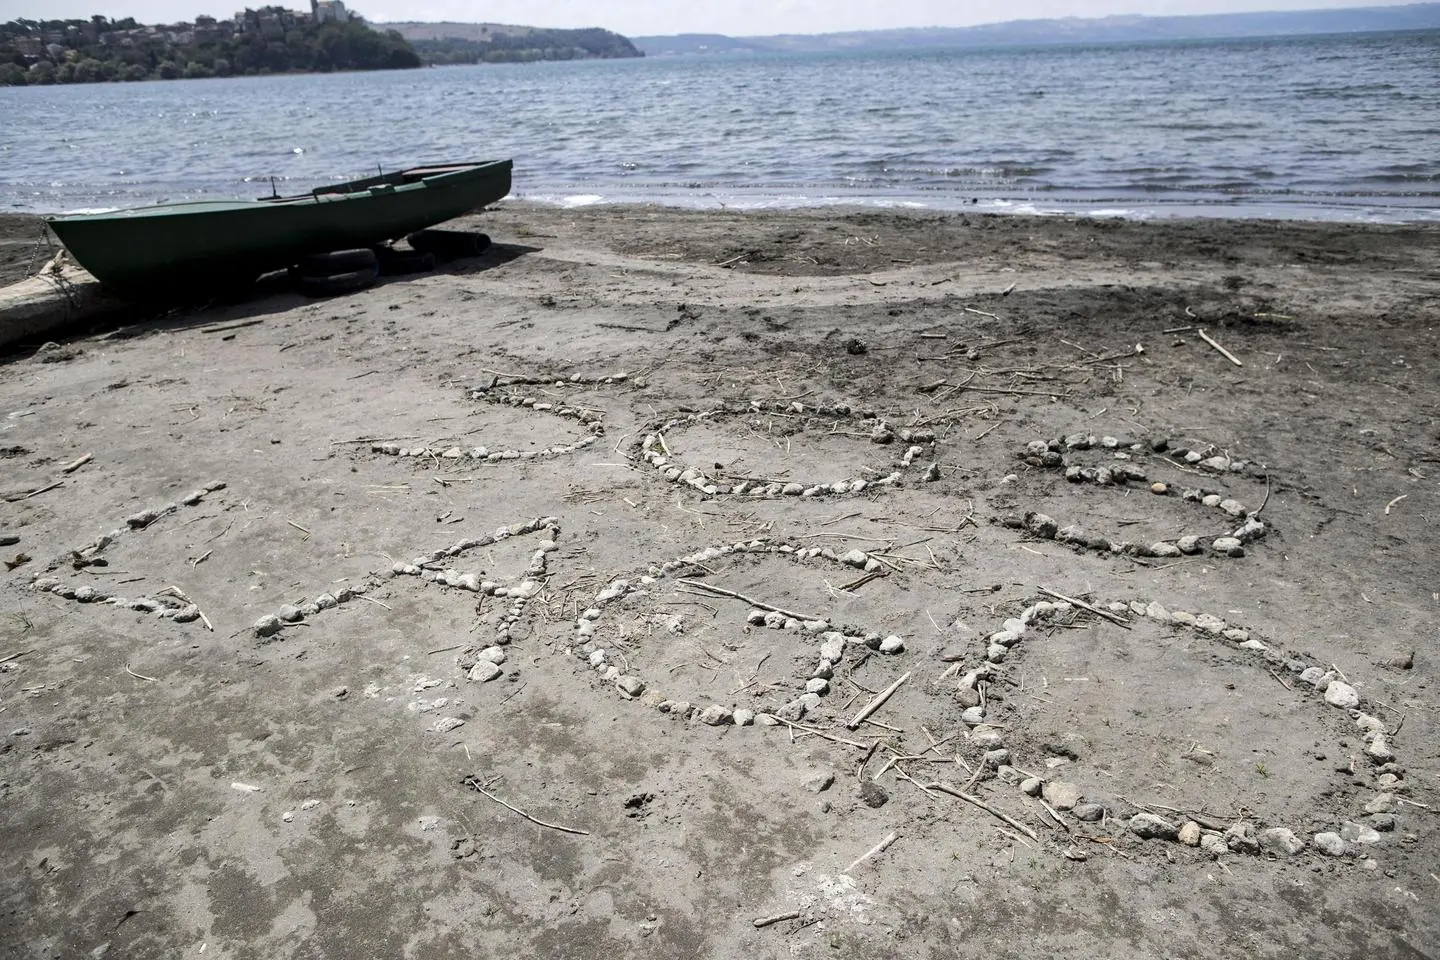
x,y
641,17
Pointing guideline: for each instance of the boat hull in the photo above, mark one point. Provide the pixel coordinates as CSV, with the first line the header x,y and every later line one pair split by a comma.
x,y
160,249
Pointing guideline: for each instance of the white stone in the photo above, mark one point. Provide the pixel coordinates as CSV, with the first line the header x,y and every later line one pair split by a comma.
x,y
1331,844
1061,794
716,715
1342,695
484,671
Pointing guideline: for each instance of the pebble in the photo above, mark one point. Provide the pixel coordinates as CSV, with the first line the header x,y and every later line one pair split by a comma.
x,y
1158,487
495,655
820,783
1311,675
1384,822
795,710
1041,525
267,626
1280,841
1190,833
1331,844
446,724
1366,723
1214,844
832,647
855,558
484,671
1339,694
967,697
1251,529
716,715
1188,545
1209,623
873,795
1241,838
629,686
1088,812
1352,832
1163,549
743,717
1061,794
892,644
1148,826
290,614
1031,786
996,758
1228,547
1383,803
973,716
987,737
817,685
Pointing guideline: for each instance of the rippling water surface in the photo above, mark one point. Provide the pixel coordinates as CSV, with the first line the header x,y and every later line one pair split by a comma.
x,y
1326,127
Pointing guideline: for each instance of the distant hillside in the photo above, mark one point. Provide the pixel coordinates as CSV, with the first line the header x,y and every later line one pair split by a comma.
x,y
442,43
1117,29
268,40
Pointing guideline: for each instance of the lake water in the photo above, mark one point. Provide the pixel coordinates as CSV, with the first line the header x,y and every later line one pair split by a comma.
x,y
1337,128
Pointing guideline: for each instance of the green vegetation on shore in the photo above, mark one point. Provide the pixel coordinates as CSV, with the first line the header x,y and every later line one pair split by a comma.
x,y
268,40
447,43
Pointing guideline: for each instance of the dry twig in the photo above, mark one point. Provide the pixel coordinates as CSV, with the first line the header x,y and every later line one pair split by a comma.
x,y
878,702
1085,606
968,798
1225,353
874,851
474,784
721,591
74,465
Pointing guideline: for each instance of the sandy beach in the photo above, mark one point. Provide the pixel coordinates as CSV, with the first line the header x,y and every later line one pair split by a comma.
x,y
717,584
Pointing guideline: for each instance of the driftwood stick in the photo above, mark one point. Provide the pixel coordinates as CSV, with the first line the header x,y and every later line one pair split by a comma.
x,y
139,676
763,922
874,851
234,326
946,788
721,591
474,784
1223,352
35,493
1022,393
878,702
74,465
818,732
1085,606
337,443
186,597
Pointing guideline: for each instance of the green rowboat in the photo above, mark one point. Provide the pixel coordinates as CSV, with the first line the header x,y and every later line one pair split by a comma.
x,y
158,249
